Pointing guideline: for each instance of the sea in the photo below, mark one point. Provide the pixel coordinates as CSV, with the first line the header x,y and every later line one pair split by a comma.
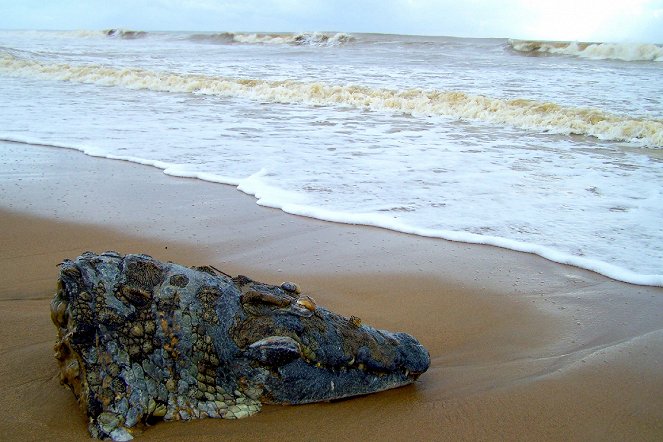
x,y
550,148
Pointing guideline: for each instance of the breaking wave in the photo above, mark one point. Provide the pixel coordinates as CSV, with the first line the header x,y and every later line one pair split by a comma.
x,y
597,51
124,34
321,39
521,113
303,39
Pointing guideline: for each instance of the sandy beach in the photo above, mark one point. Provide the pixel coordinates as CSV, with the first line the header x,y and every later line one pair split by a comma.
x,y
521,348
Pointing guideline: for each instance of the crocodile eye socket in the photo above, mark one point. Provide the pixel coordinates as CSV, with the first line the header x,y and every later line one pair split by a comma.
x,y
275,350
254,297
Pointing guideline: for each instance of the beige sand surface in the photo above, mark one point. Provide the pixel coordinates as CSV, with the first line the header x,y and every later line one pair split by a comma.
x,y
521,348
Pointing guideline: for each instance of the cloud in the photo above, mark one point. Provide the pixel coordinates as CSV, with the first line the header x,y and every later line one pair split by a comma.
x,y
611,20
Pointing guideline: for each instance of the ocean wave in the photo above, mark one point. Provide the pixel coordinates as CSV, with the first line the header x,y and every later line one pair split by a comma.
x,y
322,39
302,39
124,34
219,38
597,51
520,113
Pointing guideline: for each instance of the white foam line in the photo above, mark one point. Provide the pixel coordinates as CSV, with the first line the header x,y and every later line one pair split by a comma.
x,y
171,169
381,221
275,199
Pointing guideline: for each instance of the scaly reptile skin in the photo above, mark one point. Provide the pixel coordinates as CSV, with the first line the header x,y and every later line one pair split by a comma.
x,y
141,341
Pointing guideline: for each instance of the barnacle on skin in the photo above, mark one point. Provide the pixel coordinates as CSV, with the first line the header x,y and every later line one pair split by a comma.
x,y
291,287
355,321
139,341
307,302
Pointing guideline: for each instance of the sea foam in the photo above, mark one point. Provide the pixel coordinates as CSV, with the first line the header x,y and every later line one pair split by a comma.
x,y
322,39
521,113
597,51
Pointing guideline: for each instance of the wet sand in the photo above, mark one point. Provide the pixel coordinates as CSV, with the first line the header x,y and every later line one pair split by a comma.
x,y
521,348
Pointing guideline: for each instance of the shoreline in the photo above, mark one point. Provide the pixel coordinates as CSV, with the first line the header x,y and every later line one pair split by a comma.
x,y
521,347
617,273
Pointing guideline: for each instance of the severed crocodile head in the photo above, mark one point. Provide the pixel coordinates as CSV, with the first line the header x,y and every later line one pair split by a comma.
x,y
140,341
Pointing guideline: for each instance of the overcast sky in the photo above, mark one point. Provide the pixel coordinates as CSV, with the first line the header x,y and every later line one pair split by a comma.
x,y
585,20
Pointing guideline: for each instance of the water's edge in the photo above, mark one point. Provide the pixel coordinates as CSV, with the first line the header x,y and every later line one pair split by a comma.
x,y
247,186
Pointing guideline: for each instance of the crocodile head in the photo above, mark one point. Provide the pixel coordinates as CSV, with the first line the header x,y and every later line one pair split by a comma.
x,y
301,353
139,340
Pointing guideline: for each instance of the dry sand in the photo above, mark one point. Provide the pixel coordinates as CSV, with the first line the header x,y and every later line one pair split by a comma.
x,y
521,348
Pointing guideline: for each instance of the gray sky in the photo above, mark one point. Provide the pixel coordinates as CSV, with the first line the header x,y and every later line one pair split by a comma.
x,y
585,20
